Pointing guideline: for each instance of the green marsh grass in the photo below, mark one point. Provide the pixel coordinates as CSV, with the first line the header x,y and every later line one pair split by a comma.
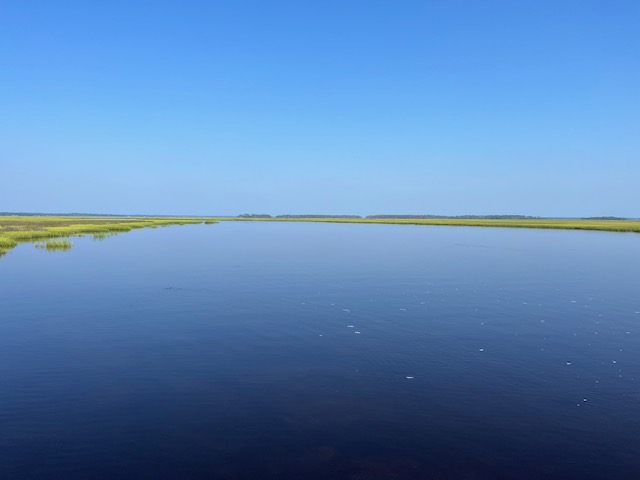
x,y
7,243
55,245
24,229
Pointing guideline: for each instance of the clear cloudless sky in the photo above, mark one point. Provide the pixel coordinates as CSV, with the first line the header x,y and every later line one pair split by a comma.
x,y
333,106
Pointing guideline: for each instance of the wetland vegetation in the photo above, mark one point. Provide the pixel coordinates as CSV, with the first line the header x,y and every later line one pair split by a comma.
x,y
53,231
507,221
16,229
55,245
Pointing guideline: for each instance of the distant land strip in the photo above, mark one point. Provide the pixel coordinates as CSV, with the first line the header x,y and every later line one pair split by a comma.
x,y
609,224
52,232
420,217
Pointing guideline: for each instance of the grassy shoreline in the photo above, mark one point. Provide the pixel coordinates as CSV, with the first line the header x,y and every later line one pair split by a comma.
x,y
55,230
15,230
596,225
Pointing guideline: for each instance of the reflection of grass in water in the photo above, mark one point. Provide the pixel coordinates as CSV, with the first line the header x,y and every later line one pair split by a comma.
x,y
55,245
104,235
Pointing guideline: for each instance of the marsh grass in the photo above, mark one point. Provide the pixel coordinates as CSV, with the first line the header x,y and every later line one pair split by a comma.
x,y
55,245
7,243
23,229
599,225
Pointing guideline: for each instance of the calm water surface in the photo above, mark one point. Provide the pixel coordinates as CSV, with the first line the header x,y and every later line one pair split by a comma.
x,y
322,351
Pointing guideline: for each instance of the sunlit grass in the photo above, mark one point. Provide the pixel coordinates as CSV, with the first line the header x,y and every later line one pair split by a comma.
x,y
22,229
7,243
55,245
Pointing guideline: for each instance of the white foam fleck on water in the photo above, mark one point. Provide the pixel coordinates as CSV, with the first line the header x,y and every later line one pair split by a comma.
x,y
568,363
410,378
481,349
349,326
346,310
357,333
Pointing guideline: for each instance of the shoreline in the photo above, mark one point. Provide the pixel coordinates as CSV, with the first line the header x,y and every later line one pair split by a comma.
x,y
15,230
628,226
52,231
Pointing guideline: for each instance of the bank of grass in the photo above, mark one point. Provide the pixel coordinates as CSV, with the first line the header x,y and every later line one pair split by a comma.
x,y
6,244
55,245
23,229
600,225
20,229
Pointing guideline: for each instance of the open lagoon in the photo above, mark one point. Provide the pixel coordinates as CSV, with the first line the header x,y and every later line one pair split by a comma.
x,y
322,351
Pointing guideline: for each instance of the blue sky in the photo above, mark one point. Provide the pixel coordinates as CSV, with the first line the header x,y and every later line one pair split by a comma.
x,y
363,107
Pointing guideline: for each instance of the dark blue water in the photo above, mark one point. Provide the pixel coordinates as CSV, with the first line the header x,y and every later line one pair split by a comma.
x,y
322,351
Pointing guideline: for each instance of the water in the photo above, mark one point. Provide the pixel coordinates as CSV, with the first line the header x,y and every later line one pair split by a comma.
x,y
322,351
